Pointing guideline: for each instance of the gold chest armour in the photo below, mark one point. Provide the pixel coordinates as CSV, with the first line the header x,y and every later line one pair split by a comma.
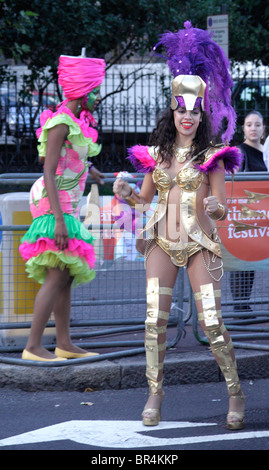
x,y
188,179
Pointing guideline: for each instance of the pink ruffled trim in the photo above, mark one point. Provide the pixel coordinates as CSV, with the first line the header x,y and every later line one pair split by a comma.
x,y
76,248
141,159
83,123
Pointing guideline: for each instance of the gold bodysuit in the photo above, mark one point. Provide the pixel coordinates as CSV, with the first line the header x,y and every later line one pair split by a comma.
x,y
189,179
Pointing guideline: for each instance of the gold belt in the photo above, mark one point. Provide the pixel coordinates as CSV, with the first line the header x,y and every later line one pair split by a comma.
x,y
178,252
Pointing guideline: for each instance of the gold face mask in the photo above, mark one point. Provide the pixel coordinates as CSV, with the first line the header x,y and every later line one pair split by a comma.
x,y
189,87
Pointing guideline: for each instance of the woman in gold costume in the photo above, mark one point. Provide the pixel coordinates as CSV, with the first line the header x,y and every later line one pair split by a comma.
x,y
188,171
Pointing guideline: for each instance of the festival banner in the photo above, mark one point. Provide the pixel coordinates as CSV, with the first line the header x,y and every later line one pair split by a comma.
x,y
245,231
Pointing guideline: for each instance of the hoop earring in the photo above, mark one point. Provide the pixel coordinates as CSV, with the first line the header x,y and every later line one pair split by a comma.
x,y
78,108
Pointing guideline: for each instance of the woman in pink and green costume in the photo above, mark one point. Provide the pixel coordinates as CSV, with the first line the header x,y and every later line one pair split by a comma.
x,y
57,248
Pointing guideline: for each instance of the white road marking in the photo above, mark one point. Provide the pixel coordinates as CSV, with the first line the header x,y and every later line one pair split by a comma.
x,y
122,434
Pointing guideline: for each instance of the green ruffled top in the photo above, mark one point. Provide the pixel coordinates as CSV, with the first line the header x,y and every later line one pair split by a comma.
x,y
80,133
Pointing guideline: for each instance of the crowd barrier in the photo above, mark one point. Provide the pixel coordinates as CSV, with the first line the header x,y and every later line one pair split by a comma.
x,y
115,302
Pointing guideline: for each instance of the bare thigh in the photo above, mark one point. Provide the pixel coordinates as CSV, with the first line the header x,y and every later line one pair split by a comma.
x,y
160,265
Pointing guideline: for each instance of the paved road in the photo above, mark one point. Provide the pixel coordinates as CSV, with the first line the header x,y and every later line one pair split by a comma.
x,y
99,421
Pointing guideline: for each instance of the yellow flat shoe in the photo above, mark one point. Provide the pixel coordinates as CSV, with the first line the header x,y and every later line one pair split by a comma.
x,y
32,357
71,355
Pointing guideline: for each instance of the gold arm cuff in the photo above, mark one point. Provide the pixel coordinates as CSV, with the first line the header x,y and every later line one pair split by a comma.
x,y
219,213
130,200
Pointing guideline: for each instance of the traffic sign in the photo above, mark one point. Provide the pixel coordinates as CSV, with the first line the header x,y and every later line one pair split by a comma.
x,y
219,25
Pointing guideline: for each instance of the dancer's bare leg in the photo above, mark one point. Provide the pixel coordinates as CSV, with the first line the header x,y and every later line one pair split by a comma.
x,y
46,298
207,293
61,312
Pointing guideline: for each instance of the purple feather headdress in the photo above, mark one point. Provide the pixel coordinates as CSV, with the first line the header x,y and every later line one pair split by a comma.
x,y
192,51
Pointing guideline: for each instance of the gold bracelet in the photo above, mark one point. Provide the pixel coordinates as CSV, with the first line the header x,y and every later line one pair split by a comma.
x,y
215,215
130,200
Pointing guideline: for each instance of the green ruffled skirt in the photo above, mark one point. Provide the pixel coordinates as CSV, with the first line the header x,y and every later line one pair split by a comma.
x,y
40,253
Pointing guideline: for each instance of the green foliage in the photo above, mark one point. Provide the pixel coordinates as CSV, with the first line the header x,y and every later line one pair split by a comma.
x,y
14,28
39,31
36,33
64,27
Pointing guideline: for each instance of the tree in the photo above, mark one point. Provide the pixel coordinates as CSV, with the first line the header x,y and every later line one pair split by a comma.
x,y
13,26
65,26
107,28
114,29
117,28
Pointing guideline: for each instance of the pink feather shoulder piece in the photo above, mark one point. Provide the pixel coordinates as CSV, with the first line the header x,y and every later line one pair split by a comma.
x,y
231,156
142,157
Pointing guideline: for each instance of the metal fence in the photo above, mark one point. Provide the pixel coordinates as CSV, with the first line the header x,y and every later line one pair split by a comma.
x,y
248,329
132,98
114,302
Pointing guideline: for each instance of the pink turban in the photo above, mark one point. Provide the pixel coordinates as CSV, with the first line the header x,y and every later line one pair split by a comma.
x,y
80,75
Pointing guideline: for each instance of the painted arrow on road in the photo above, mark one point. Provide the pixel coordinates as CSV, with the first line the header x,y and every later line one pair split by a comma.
x,y
121,434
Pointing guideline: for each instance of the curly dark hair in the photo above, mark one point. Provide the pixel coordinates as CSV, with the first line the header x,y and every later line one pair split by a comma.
x,y
164,136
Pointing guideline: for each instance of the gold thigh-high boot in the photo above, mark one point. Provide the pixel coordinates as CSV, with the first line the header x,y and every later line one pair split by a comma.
x,y
221,349
155,345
